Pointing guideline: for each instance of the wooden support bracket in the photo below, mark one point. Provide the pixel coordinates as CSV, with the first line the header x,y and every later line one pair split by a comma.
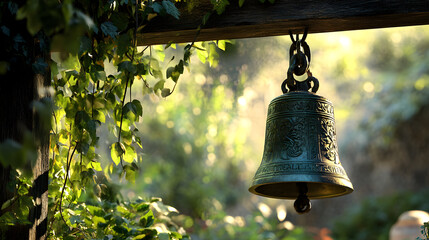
x,y
255,19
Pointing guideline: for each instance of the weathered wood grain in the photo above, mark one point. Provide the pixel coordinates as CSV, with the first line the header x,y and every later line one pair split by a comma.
x,y
255,19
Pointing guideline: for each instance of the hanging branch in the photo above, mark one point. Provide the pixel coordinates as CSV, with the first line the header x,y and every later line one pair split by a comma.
x,y
122,113
69,159
128,77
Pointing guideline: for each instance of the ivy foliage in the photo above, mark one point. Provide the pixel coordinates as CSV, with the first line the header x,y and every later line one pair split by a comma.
x,y
95,62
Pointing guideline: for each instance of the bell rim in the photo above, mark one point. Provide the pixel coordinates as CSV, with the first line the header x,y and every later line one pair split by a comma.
x,y
346,185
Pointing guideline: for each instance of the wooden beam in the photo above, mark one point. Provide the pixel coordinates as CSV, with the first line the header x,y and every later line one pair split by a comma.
x,y
255,19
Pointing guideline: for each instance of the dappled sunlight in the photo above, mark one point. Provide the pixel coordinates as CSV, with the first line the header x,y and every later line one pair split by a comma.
x,y
212,140
203,143
281,213
265,209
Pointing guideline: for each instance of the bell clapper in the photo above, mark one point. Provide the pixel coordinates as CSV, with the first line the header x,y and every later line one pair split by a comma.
x,y
302,204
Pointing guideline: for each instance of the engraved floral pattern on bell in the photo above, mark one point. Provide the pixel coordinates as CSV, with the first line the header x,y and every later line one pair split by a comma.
x,y
300,128
328,141
269,141
292,139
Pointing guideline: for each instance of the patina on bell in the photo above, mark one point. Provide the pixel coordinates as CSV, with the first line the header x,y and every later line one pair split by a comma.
x,y
300,159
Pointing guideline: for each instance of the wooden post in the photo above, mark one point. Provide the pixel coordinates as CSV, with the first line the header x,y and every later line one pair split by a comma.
x,y
20,86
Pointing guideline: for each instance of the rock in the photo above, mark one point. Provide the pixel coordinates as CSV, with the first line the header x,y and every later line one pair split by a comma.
x,y
408,226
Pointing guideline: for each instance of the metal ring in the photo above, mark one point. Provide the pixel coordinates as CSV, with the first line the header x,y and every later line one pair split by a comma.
x,y
303,37
315,86
307,51
305,34
284,89
301,64
291,36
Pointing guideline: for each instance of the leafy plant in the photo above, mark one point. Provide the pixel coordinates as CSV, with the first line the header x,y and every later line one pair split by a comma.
x,y
425,231
375,216
97,62
254,226
127,220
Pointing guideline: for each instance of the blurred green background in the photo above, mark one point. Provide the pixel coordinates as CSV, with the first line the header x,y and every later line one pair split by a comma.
x,y
203,143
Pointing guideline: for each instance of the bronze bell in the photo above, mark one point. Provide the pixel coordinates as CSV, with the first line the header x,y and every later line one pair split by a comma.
x,y
300,159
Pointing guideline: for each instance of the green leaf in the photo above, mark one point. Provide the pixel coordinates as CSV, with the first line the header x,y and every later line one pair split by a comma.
x,y
163,236
96,220
174,72
213,56
141,236
175,76
13,7
95,210
171,9
82,147
134,166
126,124
68,41
139,142
98,76
179,67
206,18
221,44
127,137
159,85
123,44
169,72
187,54
116,151
219,5
120,208
94,165
202,55
130,112
119,229
159,50
91,127
34,24
130,174
81,120
142,207
141,69
109,29
7,203
85,45
129,154
157,7
120,20
22,190
240,3
170,44
139,107
99,115
165,92
127,66
147,219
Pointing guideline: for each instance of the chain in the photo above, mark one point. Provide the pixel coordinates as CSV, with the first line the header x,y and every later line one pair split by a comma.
x,y
299,63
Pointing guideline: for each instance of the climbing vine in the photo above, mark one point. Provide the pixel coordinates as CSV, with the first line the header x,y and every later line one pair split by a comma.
x,y
95,62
